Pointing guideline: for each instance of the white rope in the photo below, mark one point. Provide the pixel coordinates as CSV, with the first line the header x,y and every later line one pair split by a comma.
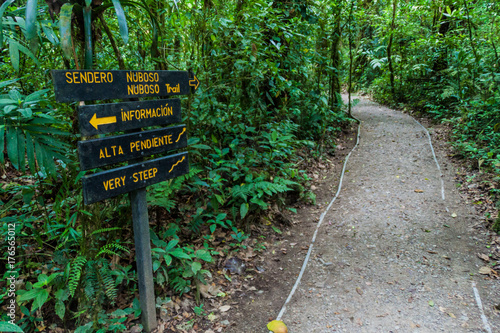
x,y
435,158
480,306
322,217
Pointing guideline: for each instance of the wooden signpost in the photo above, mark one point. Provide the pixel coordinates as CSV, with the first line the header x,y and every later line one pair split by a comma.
x,y
85,85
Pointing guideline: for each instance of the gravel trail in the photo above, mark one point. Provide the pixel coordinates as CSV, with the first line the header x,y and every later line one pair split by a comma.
x,y
391,254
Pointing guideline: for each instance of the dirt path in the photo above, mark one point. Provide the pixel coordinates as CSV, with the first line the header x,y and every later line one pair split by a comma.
x,y
391,254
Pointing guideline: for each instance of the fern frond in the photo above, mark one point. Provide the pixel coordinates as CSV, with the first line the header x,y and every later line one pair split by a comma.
x,y
75,273
108,249
103,230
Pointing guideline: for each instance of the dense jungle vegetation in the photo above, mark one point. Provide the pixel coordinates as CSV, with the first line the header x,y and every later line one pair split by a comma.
x,y
271,76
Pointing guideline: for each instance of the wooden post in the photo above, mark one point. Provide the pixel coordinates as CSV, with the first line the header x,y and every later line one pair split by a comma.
x,y
140,221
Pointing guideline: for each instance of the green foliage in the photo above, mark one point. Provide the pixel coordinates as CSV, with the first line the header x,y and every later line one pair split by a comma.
x,y
28,128
181,267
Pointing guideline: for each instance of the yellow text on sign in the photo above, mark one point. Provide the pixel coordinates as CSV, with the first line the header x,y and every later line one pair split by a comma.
x,y
144,175
113,183
140,114
89,77
151,143
103,153
174,89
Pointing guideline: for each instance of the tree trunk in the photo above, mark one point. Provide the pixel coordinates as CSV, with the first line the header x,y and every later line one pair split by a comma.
x,y
389,49
335,63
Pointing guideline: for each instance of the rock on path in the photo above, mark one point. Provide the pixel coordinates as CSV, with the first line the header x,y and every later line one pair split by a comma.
x,y
392,255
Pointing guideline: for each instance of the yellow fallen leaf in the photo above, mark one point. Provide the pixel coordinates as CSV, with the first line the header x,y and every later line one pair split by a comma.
x,y
277,326
419,191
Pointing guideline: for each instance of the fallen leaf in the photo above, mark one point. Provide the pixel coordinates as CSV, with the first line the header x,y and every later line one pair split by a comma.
x,y
225,308
209,291
359,290
454,215
483,257
485,270
277,326
432,252
419,191
451,315
431,303
442,309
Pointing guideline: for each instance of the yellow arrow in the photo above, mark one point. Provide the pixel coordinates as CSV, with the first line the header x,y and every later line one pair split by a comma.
x,y
194,83
101,121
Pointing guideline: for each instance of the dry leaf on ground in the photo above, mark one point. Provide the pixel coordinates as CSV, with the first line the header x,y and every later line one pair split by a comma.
x,y
485,270
483,257
225,308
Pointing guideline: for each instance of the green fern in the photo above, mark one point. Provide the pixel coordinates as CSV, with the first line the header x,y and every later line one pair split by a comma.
x,y
161,194
107,282
75,273
108,249
105,230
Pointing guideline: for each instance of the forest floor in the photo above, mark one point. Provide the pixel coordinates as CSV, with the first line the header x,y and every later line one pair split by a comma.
x,y
391,254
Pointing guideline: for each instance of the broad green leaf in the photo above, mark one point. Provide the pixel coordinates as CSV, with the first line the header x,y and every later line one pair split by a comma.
x,y
87,27
31,33
9,108
24,50
85,328
29,295
14,55
179,253
243,210
65,30
2,142
203,255
60,309
21,148
7,101
8,327
26,113
156,265
200,146
195,267
12,146
168,259
35,97
6,83
42,281
2,10
49,32
172,244
122,20
40,155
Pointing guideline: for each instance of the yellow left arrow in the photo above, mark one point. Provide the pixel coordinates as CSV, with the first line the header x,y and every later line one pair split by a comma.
x,y
101,121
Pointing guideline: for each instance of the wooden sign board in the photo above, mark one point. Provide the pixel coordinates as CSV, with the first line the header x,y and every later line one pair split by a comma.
x,y
114,117
86,85
120,148
108,184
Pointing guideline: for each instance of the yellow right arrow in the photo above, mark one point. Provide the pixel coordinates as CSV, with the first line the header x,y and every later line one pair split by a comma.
x,y
101,121
194,83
